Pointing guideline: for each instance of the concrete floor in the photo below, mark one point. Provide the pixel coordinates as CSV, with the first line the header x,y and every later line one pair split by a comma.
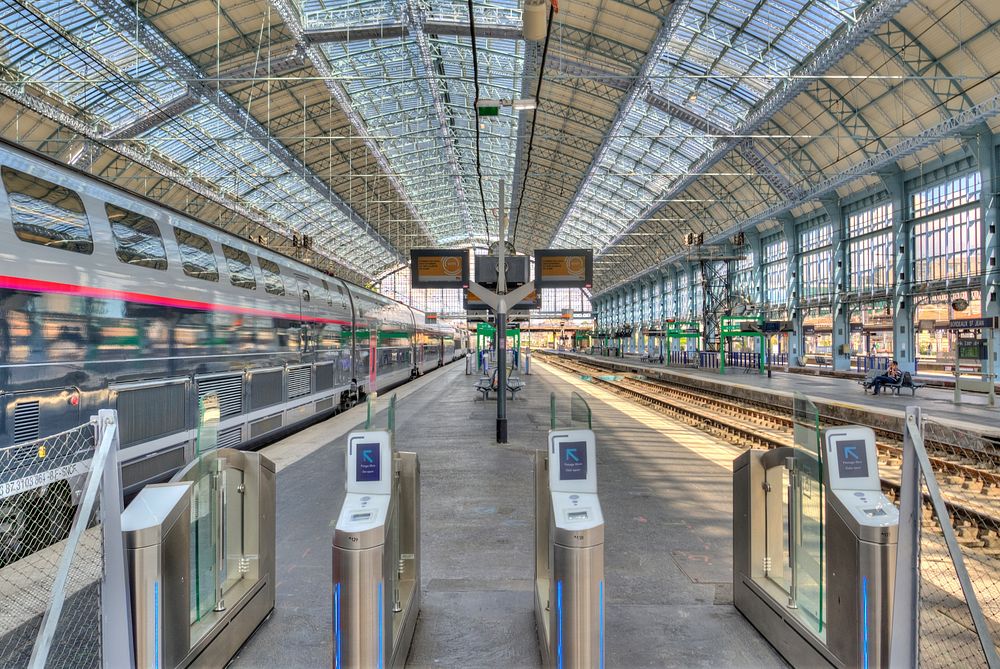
x,y
666,495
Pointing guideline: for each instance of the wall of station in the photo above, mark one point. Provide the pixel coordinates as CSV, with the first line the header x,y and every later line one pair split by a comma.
x,y
875,275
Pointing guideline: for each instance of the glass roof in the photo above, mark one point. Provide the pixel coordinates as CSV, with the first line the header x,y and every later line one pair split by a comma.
x,y
722,59
78,55
402,104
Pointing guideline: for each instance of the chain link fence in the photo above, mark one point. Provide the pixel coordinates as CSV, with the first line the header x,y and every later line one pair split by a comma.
x,y
955,588
52,548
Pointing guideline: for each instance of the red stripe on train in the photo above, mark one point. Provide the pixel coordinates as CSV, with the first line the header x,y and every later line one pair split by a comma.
x,y
37,286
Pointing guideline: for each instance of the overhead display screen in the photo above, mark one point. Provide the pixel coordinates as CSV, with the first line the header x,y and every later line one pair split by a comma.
x,y
572,460
852,459
473,303
369,466
439,268
564,268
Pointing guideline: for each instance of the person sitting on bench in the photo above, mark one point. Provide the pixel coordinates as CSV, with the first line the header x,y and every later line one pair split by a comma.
x,y
891,377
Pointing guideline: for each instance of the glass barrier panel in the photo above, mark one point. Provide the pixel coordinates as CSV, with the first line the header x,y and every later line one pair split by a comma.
x,y
806,505
204,532
209,414
776,529
579,412
552,411
233,537
387,421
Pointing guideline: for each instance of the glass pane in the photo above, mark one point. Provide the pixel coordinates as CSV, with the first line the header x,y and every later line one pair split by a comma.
x,y
137,238
806,516
209,413
579,412
197,256
232,536
46,213
204,516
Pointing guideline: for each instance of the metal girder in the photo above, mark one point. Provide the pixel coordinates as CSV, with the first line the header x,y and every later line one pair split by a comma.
x,y
416,19
275,66
290,16
574,68
436,28
948,128
775,179
825,57
151,38
921,64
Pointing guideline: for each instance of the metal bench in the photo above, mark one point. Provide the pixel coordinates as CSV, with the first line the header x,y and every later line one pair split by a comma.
x,y
484,385
514,385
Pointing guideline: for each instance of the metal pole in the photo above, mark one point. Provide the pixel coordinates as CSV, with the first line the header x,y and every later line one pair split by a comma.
x,y
904,650
502,326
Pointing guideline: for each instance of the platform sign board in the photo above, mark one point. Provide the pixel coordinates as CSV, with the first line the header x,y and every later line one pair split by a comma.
x,y
971,323
971,348
473,303
439,268
564,268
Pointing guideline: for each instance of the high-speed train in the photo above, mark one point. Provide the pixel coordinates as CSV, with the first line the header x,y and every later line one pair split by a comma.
x,y
110,300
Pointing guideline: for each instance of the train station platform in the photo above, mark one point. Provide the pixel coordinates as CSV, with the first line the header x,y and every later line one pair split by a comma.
x,y
836,397
666,493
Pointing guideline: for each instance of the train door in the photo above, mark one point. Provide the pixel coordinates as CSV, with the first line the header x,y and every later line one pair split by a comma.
x,y
306,336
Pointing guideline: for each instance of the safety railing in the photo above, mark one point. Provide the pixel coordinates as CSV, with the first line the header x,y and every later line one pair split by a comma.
x,y
864,363
743,359
946,610
62,574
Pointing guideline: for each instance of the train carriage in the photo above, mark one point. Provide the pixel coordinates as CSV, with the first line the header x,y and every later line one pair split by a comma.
x,y
110,300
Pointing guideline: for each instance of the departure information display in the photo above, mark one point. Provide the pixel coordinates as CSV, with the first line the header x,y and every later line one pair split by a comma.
x,y
852,459
572,460
369,466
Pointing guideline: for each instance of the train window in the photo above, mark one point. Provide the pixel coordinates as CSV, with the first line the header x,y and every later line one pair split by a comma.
x,y
137,238
240,271
46,213
272,277
197,255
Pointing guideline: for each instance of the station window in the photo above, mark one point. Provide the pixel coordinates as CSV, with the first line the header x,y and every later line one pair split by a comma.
x,y
240,271
869,249
815,270
197,256
46,213
776,282
272,277
137,238
947,232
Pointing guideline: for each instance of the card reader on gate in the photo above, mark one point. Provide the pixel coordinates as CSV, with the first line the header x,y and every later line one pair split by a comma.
x,y
369,485
576,507
853,477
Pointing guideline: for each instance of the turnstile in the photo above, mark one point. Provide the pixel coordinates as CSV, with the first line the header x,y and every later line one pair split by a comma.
x,y
569,552
376,555
814,550
201,560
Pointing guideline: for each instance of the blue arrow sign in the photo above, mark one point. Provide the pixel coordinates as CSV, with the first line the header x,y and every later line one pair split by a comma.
x,y
571,454
851,452
367,455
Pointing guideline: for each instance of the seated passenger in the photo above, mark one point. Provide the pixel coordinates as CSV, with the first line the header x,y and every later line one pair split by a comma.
x,y
892,376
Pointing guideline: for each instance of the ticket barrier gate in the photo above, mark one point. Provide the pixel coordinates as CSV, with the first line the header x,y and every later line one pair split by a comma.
x,y
376,555
201,560
814,550
569,552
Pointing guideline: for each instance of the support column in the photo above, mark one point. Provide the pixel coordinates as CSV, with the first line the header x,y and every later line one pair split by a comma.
x,y
841,318
796,345
903,341
984,146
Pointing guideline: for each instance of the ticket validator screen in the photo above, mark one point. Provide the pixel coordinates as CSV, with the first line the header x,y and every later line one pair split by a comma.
x,y
852,459
369,468
572,460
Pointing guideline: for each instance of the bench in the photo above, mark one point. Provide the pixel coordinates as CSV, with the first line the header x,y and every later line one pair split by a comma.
x,y
905,381
514,385
484,385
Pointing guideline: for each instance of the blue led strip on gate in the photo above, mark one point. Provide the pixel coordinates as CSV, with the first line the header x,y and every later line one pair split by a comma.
x,y
156,625
864,618
381,657
336,626
600,625
559,656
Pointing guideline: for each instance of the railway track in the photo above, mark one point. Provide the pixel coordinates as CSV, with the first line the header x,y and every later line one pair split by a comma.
x,y
968,472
